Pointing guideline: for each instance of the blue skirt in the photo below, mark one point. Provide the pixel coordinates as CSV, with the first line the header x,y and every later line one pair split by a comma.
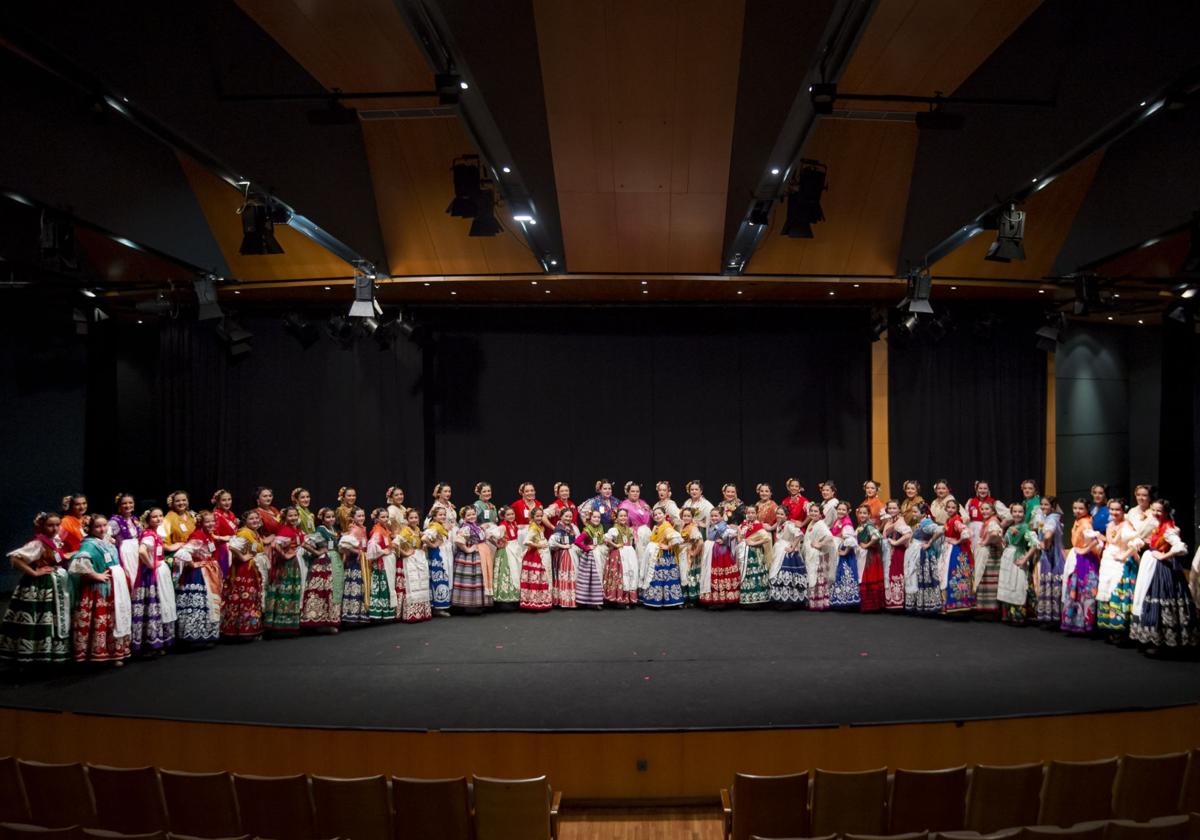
x,y
843,595
665,589
439,579
790,586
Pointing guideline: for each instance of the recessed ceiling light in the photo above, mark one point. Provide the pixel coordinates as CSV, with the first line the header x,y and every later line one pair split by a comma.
x,y
139,320
523,217
1041,291
739,291
775,170
426,284
1140,321
1035,180
1116,294
327,288
505,169
645,282
547,291
453,293
89,293
1142,104
831,293
553,262
236,292
856,285
463,85
532,282
954,288
1110,317
645,292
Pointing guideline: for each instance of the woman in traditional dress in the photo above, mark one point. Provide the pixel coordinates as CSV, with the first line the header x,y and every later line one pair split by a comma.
x,y
794,504
415,599
1050,566
1139,516
766,508
562,502
506,579
301,501
604,502
589,589
1032,502
720,578
100,624
788,575
640,515
36,629
974,516
691,553
281,614
820,557
1164,614
829,503
893,577
318,608
908,504
1015,591
733,509
564,556
535,578
153,603
843,594
870,559
988,551
224,529
1081,573
242,593
663,489
701,506
356,578
956,565
941,495
754,560
347,503
922,588
397,513
125,531
660,584
198,593
486,514
871,500
467,581
526,501
73,530
264,499
1099,509
177,527
1118,574
381,597
436,541
621,565
897,535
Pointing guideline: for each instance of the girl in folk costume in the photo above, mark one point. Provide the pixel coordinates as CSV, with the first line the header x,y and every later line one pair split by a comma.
x,y
125,531
178,523
898,536
1080,573
621,564
788,576
923,590
562,502
319,610
974,513
242,594
844,595
956,567
301,500
733,509
794,505
198,593
226,526
535,574
73,530
908,504
639,512
987,552
754,561
397,513
352,546
381,560
436,541
701,506
663,489
941,495
720,579
285,587
820,557
870,559
1018,599
1118,573
415,602
36,629
565,560
264,498
1164,614
526,501
1099,509
1032,503
603,501
829,502
101,625
660,584
1050,566
691,554
1139,516
347,503
589,589
871,500
153,601
765,508
486,514
506,577
467,590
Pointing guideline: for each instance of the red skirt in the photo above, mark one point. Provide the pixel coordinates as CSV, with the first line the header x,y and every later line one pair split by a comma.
x,y
241,601
614,581
870,589
726,580
535,589
93,624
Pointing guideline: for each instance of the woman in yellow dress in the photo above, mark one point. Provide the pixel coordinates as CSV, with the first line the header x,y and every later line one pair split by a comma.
x,y
661,584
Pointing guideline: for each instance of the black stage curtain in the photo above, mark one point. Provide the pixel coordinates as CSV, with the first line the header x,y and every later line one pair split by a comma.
x,y
970,405
715,394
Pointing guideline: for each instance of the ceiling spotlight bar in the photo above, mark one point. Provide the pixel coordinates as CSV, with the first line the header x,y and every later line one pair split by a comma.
x,y
827,94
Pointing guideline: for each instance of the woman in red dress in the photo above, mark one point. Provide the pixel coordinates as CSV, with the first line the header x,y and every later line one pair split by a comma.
x,y
535,582
794,504
870,557
263,497
242,592
523,506
73,529
562,502
226,527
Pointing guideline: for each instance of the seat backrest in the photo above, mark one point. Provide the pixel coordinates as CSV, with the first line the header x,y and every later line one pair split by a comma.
x,y
106,834
1189,799
928,800
1149,786
771,806
21,830
1003,797
353,809
1002,834
14,807
200,804
275,806
431,808
1159,828
173,836
58,794
128,800
1077,791
908,835
1093,830
849,803
512,809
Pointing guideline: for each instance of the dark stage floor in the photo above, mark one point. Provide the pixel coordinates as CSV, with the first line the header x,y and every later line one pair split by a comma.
x,y
632,669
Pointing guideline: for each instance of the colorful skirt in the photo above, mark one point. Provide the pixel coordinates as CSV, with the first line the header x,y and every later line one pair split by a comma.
x,y
505,590
665,589
843,595
31,631
818,593
1050,591
92,625
986,600
589,589
960,581
929,597
241,601
614,581
149,631
1113,615
535,589
1020,614
354,592
317,607
893,584
379,602
724,579
871,587
282,612
412,587
755,586
439,579
468,581
1168,616
194,623
1079,596
789,588
563,593
337,580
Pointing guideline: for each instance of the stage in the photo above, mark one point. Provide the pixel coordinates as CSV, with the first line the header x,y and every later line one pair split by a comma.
x,y
617,670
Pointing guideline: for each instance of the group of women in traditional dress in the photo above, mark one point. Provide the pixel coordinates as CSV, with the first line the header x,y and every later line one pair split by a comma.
x,y
103,589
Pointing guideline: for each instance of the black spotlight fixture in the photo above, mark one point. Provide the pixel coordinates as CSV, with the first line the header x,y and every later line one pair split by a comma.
x,y
804,201
235,337
916,298
484,223
823,95
343,330
1010,234
879,324
258,230
1087,294
466,187
56,239
760,214
449,87
206,296
303,331
365,305
1049,335
386,333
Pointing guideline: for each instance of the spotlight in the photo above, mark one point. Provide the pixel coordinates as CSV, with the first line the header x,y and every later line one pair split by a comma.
x,y
1087,294
57,240
823,95
804,202
760,215
879,324
1188,293
1049,335
484,223
160,304
385,334
342,330
466,187
258,231
88,293
235,337
917,297
304,332
364,305
206,294
1010,233
407,328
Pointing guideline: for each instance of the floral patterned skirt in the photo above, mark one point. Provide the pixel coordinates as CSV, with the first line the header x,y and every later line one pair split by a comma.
x,y
844,593
354,592
1168,616
380,601
241,601
282,612
194,624
27,634
755,587
929,597
1050,590
790,585
614,581
535,590
92,624
1079,591
893,584
317,607
960,581
439,579
870,588
818,593
505,590
725,580
563,593
665,589
149,631
1113,615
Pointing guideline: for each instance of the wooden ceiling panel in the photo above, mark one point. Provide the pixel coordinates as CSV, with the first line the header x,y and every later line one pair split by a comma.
x,y
643,231
589,223
695,236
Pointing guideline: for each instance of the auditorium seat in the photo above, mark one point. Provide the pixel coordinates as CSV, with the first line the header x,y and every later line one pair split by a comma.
x,y
276,807
352,808
845,803
1077,791
431,808
771,806
1149,786
515,809
200,804
114,788
16,831
106,834
14,807
1189,799
45,785
1093,830
1002,834
1003,797
908,835
1160,828
1194,826
173,836
927,800
826,837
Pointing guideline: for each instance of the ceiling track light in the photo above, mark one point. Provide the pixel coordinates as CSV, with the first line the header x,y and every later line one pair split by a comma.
x,y
365,305
916,298
804,200
206,296
1010,236
259,218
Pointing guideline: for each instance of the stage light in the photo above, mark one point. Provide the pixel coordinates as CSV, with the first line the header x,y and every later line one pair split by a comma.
x,y
385,334
879,324
303,331
463,85
774,170
1087,294
484,223
206,295
804,202
1188,293
258,231
449,86
1010,234
466,187
364,305
88,293
822,95
916,298
235,337
760,214
1049,335
342,330
160,304
505,169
